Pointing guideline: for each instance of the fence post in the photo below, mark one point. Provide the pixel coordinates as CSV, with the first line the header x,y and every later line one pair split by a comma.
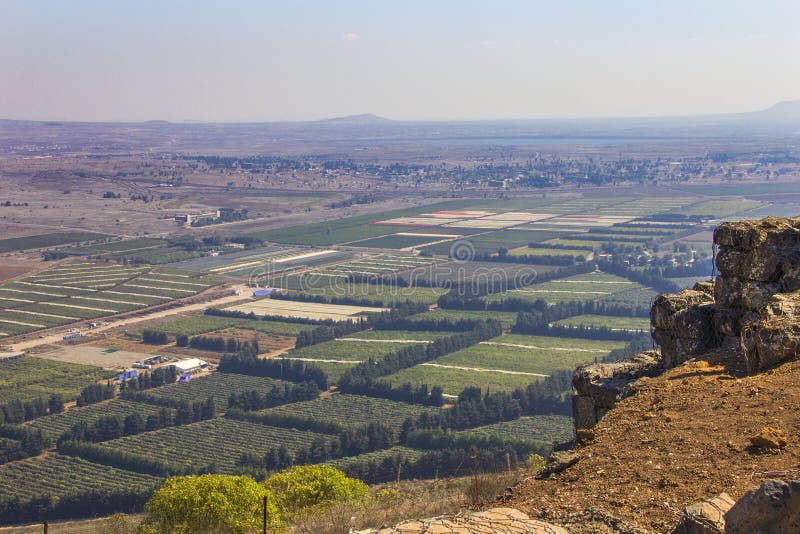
x,y
474,455
46,526
264,531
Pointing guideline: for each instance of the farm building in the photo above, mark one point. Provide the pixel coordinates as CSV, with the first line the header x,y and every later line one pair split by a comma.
x,y
190,365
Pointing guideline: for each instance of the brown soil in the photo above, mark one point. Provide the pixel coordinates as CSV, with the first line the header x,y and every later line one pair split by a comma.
x,y
683,438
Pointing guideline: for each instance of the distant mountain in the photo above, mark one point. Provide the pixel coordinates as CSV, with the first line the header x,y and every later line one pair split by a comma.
x,y
363,119
788,110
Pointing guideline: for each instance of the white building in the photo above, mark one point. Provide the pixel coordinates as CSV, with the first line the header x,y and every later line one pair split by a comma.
x,y
190,366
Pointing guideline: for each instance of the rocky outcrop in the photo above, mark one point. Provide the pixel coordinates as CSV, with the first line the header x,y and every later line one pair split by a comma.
x,y
600,386
496,520
753,305
772,508
683,325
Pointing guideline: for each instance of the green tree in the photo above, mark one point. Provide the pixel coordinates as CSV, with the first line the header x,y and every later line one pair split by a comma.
x,y
210,504
313,487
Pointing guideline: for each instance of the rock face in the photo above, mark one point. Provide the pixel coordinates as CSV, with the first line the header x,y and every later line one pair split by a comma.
x,y
754,305
496,520
600,386
772,508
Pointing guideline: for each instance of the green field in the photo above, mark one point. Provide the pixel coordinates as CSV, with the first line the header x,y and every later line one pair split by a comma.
x,y
56,424
71,292
126,246
527,251
414,335
56,475
47,240
547,428
638,296
27,378
375,457
492,241
352,410
396,241
216,442
202,324
590,286
453,381
719,208
506,318
350,228
505,362
386,294
218,385
615,323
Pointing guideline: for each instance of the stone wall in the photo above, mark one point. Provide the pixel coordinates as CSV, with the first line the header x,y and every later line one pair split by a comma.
x,y
752,306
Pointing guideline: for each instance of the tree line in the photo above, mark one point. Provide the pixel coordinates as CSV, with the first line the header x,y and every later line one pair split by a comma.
x,y
17,411
279,394
247,362
111,427
155,378
18,442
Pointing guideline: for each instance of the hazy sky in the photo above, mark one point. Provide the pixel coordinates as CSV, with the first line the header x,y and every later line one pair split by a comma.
x,y
404,59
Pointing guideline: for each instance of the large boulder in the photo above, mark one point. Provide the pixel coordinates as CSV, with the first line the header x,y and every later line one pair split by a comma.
x,y
666,307
772,232
771,341
499,520
600,386
772,508
705,517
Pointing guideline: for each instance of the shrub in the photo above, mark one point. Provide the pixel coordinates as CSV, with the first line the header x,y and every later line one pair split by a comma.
x,y
316,487
210,503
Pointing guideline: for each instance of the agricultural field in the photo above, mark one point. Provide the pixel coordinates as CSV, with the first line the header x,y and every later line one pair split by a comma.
x,y
507,319
395,335
57,475
201,324
453,273
375,457
720,208
47,240
218,442
351,229
382,264
590,286
26,378
218,385
353,410
527,251
491,242
388,295
120,246
647,205
75,291
405,240
305,310
55,425
272,259
335,357
614,323
547,428
505,362
637,296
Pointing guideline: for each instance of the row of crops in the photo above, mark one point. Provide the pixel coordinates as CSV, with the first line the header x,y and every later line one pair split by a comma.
x,y
77,291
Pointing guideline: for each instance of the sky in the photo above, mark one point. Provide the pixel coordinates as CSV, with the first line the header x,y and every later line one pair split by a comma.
x,y
184,60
